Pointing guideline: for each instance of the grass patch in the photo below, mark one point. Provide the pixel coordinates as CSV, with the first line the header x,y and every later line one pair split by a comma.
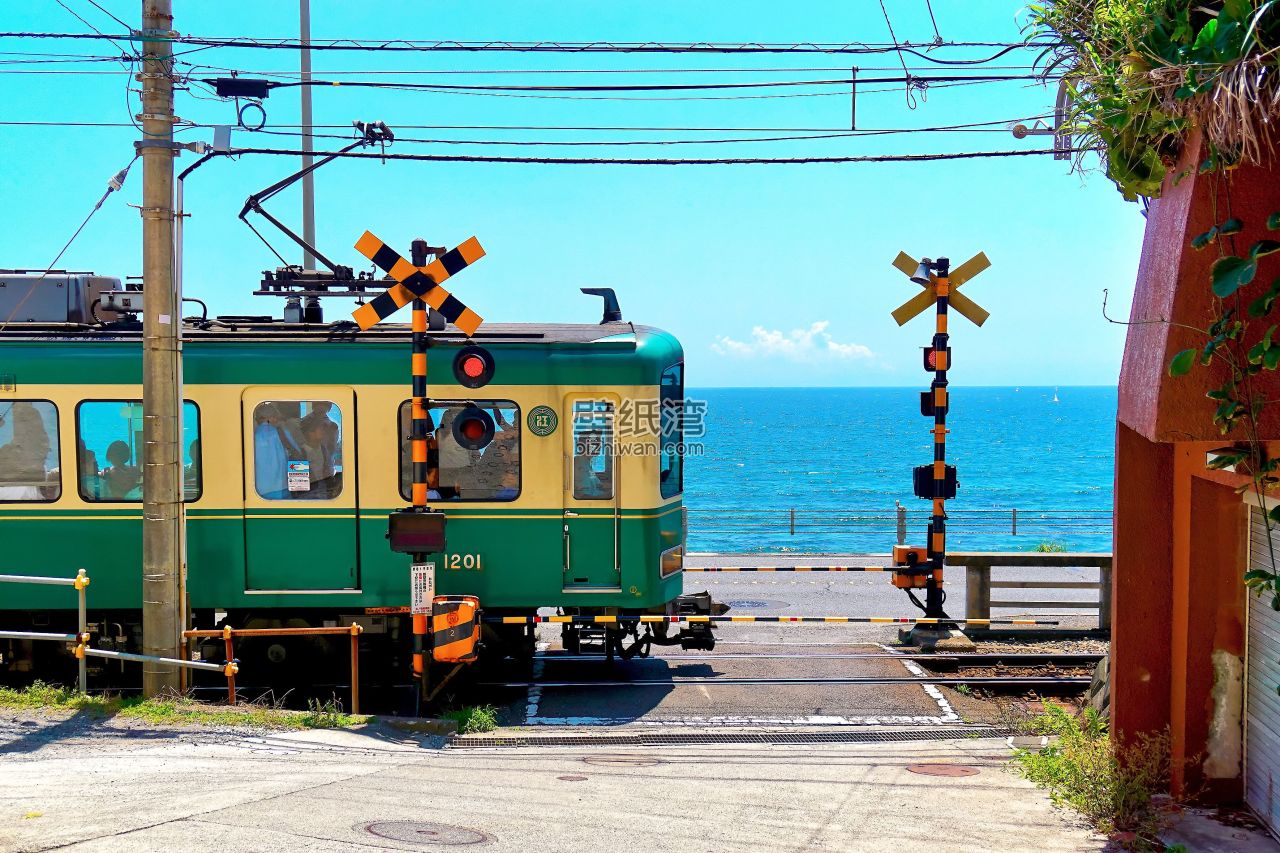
x,y
1049,547
1110,783
474,720
179,710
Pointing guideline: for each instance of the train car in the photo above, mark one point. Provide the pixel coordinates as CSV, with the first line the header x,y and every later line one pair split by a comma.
x,y
559,468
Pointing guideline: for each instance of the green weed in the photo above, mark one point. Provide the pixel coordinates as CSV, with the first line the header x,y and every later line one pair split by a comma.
x,y
474,720
1110,783
177,710
1049,547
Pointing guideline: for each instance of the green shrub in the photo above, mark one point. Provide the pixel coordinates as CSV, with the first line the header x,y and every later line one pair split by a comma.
x,y
1049,547
1111,783
474,720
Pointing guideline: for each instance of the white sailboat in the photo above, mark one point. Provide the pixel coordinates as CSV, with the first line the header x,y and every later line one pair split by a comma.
x,y
1055,396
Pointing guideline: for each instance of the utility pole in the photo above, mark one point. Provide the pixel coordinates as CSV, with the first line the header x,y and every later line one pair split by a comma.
x,y
308,180
162,563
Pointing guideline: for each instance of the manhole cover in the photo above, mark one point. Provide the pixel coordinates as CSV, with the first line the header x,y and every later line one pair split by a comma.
x,y
943,770
572,778
755,604
622,761
423,832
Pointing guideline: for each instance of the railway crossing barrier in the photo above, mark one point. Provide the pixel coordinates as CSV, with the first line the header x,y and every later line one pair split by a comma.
x,y
228,634
79,582
979,584
672,620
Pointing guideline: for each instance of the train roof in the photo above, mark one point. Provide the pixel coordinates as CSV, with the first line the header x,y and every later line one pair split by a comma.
x,y
241,329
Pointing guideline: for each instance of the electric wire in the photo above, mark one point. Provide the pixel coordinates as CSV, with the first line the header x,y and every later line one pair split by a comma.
x,y
601,161
405,45
116,182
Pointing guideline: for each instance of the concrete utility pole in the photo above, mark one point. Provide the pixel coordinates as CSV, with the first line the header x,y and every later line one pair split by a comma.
x,y
162,563
308,180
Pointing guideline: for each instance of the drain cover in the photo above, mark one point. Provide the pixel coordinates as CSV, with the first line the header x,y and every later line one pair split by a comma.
x,y
943,770
423,832
572,778
622,761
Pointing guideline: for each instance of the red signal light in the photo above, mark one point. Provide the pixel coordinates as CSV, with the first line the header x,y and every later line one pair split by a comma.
x,y
473,366
473,428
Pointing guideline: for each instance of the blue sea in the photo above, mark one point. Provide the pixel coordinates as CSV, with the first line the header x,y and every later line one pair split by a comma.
x,y
841,457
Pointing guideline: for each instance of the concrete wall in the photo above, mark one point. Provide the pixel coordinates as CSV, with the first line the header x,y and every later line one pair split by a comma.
x,y
1181,531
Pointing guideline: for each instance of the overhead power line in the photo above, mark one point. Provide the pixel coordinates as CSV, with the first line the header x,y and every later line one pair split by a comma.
x,y
637,87
600,161
403,45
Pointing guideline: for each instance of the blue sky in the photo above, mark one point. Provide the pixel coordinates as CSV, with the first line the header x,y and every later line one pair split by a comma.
x,y
770,275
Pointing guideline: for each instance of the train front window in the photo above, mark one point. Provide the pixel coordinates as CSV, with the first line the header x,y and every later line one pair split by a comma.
x,y
29,451
109,447
297,450
671,468
459,473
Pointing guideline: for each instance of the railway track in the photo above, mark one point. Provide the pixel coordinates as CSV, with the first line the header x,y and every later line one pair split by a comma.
x,y
1072,659
984,661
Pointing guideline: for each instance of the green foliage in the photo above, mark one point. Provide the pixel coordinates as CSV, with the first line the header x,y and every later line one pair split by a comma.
x,y
474,720
1109,782
174,710
1245,352
1141,73
1049,547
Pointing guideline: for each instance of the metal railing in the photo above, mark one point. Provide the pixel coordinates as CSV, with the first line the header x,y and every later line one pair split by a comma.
x,y
979,585
79,582
897,521
228,634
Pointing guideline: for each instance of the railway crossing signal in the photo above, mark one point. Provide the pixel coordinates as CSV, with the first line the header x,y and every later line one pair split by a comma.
x,y
915,567
418,530
418,282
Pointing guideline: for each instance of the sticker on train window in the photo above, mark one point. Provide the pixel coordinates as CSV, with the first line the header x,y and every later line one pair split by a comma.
x,y
299,475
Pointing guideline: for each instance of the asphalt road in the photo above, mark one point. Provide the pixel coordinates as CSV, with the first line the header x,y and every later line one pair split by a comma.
x,y
84,786
796,650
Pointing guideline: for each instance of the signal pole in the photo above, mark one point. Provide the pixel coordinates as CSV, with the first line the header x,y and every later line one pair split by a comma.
x,y
162,561
923,568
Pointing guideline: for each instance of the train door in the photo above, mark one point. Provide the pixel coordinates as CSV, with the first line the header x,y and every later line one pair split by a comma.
x,y
591,497
300,503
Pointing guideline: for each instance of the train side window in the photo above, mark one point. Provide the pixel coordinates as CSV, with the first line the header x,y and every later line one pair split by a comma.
x,y
671,469
109,447
297,450
29,469
489,474
593,450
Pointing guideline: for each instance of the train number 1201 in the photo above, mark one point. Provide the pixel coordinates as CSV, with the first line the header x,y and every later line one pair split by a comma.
x,y
461,562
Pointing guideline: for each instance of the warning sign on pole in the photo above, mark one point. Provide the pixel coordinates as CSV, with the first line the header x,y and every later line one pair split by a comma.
x,y
422,582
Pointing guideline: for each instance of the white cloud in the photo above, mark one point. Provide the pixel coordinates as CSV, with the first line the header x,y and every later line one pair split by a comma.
x,y
811,344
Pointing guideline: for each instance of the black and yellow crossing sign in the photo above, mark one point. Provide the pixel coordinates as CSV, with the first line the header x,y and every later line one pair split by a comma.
x,y
919,303
413,282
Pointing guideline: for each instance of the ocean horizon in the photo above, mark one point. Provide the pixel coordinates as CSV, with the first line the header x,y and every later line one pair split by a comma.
x,y
841,459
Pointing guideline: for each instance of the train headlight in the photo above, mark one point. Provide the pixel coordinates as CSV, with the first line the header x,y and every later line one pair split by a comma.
x,y
473,428
473,367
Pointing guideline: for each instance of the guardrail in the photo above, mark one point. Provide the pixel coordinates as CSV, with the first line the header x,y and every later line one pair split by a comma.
x,y
228,634
80,581
978,582
896,522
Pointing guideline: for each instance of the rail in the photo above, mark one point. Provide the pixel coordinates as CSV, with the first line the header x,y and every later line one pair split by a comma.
x,y
896,522
228,634
79,582
979,584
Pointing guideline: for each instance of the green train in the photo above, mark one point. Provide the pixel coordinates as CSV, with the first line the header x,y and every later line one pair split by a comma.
x,y
295,450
